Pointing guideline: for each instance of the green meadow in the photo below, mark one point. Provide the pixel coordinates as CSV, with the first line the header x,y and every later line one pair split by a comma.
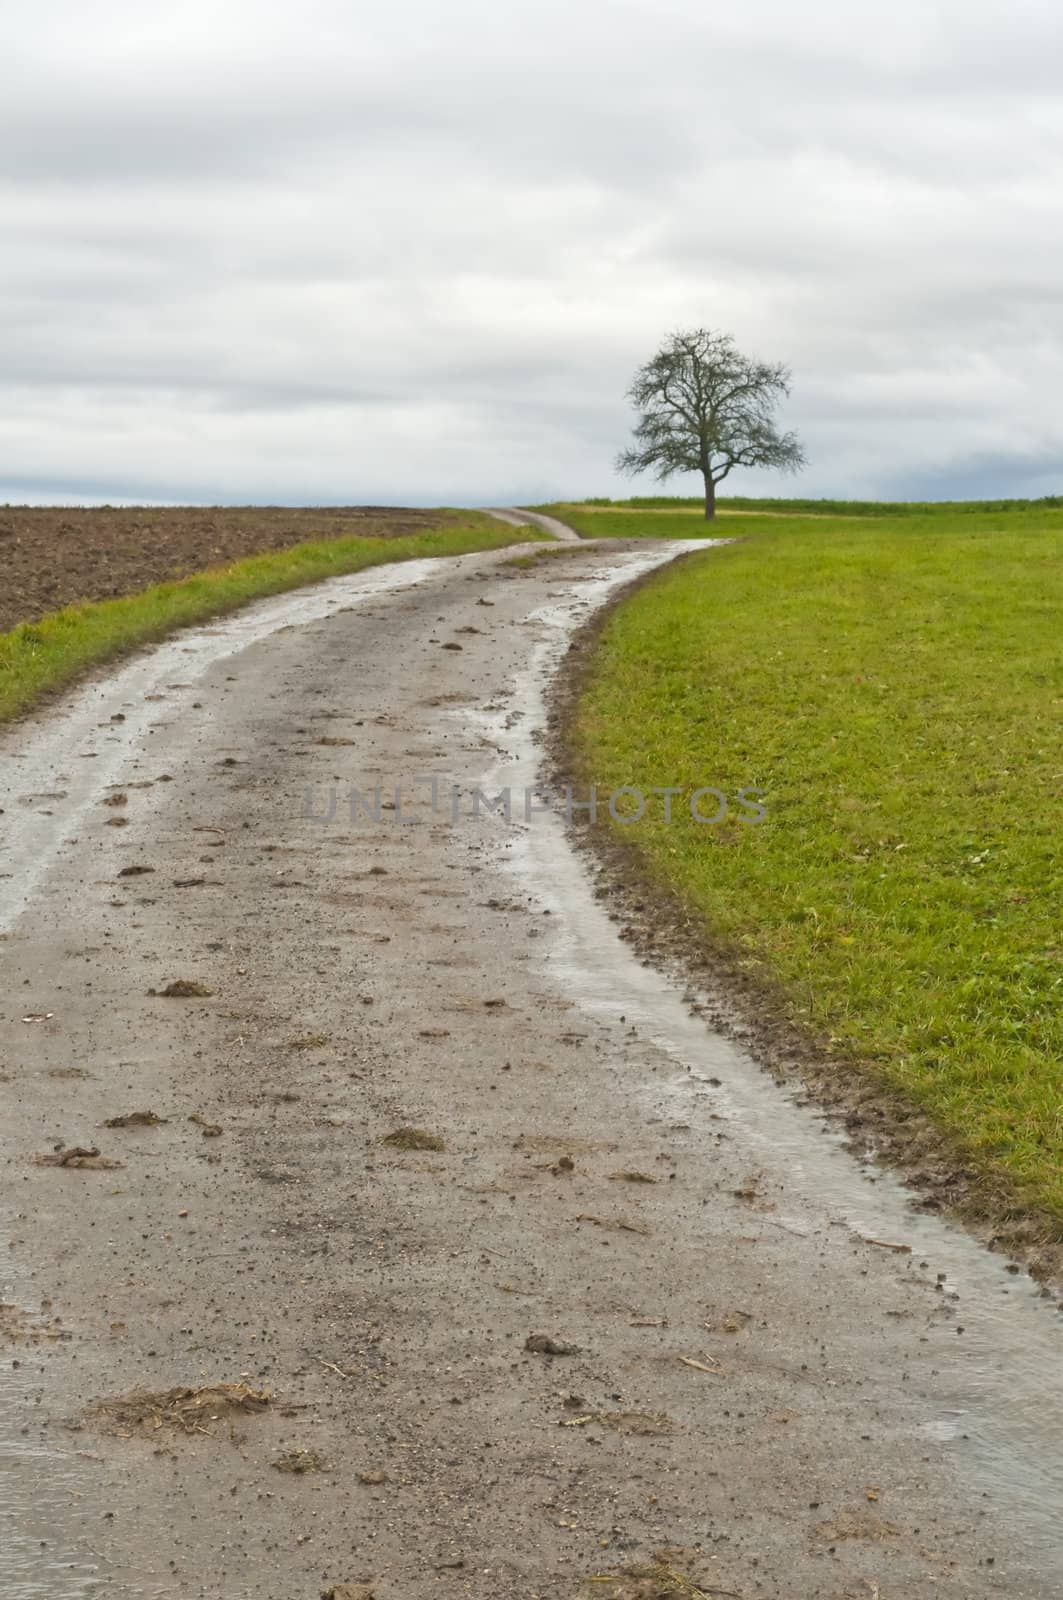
x,y
892,679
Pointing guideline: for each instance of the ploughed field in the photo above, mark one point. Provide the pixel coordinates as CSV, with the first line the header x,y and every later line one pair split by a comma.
x,y
51,556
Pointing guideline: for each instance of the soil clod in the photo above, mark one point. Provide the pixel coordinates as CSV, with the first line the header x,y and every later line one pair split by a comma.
x,y
209,1130
544,1344
79,1156
187,1410
646,1583
300,1462
414,1139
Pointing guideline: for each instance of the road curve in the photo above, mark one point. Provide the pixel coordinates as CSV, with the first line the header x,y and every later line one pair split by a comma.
x,y
519,518
616,1294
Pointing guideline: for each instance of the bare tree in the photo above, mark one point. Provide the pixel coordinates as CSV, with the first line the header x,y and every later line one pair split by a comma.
x,y
704,407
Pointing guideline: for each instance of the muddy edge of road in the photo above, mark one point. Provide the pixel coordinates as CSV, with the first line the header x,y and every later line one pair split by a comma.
x,y
519,1275
877,1122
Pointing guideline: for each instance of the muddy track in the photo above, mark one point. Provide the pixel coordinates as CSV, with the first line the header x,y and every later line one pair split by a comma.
x,y
519,1272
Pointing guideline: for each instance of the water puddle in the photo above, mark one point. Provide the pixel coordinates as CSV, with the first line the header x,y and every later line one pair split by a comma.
x,y
38,1482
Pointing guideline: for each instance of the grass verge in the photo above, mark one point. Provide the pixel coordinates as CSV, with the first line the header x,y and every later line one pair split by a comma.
x,y
40,657
894,685
670,522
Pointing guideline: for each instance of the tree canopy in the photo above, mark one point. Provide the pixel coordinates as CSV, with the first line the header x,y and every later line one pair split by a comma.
x,y
705,407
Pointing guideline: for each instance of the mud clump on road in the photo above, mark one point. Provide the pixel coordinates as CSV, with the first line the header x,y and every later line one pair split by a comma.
x,y
645,1583
187,1410
300,1462
414,1139
135,1119
77,1156
183,989
544,1344
859,1524
56,555
209,1130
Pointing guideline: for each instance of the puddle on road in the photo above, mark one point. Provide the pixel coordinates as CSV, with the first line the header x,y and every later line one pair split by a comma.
x,y
38,1482
1000,1384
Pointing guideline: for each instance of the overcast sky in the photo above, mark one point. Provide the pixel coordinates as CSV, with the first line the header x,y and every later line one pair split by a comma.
x,y
413,253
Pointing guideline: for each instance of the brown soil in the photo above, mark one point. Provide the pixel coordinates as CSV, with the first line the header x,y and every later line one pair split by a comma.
x,y
53,555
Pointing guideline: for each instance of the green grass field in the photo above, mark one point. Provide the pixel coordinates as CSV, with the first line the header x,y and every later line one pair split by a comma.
x,y
729,504
40,657
895,685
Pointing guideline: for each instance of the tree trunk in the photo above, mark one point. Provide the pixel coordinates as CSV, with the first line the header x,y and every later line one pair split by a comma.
x,y
710,497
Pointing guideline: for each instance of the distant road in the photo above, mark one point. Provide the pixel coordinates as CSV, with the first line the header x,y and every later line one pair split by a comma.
x,y
520,519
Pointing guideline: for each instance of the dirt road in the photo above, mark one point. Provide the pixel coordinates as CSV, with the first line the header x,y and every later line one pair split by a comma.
x,y
526,1277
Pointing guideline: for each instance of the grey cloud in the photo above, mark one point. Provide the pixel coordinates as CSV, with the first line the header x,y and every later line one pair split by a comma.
x,y
415,255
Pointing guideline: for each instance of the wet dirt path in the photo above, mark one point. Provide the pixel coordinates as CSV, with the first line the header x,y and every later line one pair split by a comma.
x,y
776,1405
